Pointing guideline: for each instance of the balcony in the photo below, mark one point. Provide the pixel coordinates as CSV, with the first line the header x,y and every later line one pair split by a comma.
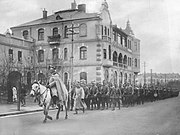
x,y
107,63
106,38
115,63
54,40
54,62
120,65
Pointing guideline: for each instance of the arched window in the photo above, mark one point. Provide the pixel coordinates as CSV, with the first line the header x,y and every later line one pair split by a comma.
x,y
65,53
115,77
55,53
120,58
65,32
25,34
83,53
120,77
83,76
110,52
55,31
41,34
125,59
83,30
115,56
105,30
106,75
40,55
125,78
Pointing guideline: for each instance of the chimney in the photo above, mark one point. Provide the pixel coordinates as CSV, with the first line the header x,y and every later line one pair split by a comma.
x,y
73,5
82,7
44,13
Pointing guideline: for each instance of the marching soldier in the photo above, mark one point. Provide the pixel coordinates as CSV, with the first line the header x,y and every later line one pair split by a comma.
x,y
112,96
93,95
105,95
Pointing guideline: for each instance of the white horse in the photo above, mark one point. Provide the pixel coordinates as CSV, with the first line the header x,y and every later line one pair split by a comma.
x,y
43,94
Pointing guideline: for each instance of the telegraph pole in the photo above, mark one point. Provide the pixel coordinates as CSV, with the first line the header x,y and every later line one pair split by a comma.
x,y
72,33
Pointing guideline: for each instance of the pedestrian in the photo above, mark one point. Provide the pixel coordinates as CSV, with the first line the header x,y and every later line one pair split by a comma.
x,y
79,95
14,91
23,95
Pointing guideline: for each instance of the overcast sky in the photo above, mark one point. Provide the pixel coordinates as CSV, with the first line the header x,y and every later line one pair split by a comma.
x,y
155,22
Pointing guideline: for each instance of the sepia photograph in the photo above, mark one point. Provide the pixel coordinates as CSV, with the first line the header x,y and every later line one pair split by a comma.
x,y
89,67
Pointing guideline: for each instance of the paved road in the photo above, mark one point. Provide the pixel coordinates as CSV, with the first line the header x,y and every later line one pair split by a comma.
x,y
158,118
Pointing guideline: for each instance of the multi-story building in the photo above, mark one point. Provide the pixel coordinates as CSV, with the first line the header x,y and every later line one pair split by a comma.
x,y
83,45
16,63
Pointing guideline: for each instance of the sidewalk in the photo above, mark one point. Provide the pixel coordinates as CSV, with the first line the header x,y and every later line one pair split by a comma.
x,y
11,109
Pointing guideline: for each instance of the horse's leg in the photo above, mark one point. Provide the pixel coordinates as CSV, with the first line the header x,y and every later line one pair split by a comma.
x,y
45,113
65,105
49,117
59,107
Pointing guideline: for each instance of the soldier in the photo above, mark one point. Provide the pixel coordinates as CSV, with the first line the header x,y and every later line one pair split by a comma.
x,y
99,94
112,96
105,95
93,95
87,94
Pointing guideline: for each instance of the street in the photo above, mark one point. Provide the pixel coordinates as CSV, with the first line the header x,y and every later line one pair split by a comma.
x,y
156,118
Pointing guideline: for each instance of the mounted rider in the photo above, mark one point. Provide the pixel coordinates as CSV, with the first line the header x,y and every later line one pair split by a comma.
x,y
56,86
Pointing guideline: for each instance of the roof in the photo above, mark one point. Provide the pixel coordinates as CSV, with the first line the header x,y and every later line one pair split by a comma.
x,y
66,15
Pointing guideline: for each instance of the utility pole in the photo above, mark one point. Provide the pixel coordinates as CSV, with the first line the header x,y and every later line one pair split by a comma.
x,y
72,32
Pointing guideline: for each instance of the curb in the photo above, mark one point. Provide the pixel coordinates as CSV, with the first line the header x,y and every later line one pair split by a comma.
x,y
19,112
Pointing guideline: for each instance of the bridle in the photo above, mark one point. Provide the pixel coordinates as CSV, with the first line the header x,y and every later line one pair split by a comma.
x,y
38,95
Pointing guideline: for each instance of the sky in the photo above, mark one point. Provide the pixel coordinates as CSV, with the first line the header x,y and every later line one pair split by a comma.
x,y
155,22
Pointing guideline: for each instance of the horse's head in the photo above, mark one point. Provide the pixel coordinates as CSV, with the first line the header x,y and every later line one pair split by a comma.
x,y
35,89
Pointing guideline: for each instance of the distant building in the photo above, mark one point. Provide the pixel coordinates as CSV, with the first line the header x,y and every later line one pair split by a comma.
x,y
100,51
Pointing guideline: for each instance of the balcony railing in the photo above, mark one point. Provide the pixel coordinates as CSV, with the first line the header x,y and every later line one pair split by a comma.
x,y
115,63
106,38
54,40
54,62
120,65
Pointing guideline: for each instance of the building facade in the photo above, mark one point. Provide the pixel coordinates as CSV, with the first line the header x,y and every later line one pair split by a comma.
x,y
16,63
82,46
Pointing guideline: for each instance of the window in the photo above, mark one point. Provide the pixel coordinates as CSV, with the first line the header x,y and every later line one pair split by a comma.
x,y
106,75
25,34
120,58
125,59
83,53
109,52
105,30
41,34
115,56
55,54
83,30
108,32
10,55
102,29
65,32
105,54
83,76
55,31
40,55
65,54
135,62
19,56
